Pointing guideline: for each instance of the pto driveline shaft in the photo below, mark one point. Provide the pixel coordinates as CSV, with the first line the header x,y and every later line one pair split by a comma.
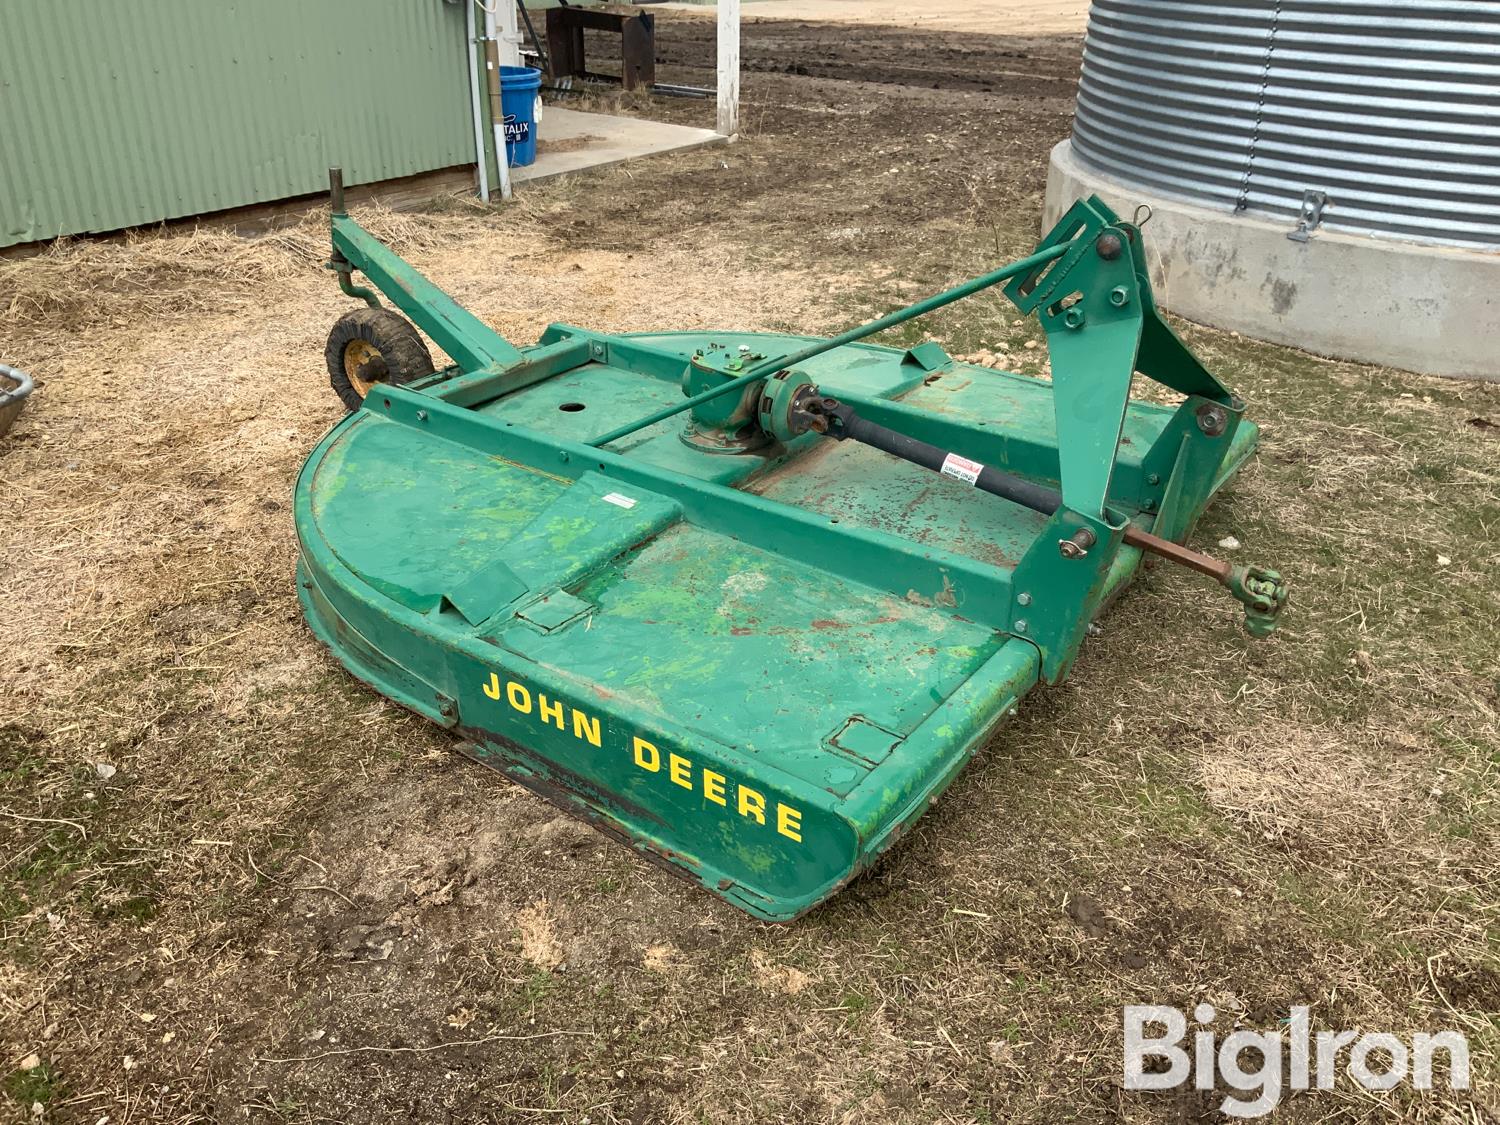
x,y
982,477
840,421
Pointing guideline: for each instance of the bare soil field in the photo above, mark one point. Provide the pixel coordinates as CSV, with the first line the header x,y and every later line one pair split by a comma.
x,y
238,886
984,17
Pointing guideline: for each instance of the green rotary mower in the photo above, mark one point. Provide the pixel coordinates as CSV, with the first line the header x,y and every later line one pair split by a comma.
x,y
750,602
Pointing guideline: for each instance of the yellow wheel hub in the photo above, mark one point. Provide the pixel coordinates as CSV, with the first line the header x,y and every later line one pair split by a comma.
x,y
362,361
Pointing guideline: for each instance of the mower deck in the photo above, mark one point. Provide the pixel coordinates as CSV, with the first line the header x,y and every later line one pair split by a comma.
x,y
750,602
699,687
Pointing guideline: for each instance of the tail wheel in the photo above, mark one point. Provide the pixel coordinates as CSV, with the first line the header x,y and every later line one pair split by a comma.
x,y
371,346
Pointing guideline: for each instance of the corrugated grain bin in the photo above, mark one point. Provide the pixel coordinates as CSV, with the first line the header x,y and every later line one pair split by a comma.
x,y
1322,173
1390,109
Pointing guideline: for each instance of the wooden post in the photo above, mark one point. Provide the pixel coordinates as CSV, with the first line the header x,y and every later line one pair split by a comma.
x,y
564,44
729,67
638,52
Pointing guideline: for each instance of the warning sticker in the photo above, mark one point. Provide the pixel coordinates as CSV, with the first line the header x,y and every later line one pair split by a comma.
x,y
961,468
618,501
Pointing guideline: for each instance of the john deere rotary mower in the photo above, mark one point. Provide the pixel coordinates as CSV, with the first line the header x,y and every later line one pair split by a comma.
x,y
749,602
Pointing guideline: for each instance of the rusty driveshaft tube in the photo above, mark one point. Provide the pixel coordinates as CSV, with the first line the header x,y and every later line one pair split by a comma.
x,y
1216,569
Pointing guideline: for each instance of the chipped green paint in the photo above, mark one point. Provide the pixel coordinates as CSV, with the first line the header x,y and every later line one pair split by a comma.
x,y
756,668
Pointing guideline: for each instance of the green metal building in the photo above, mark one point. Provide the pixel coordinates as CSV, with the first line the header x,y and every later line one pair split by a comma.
x,y
119,114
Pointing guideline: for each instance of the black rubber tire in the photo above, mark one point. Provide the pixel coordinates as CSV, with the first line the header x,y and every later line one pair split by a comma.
x,y
400,354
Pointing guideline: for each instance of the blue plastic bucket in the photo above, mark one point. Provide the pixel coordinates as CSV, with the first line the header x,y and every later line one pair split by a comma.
x,y
518,87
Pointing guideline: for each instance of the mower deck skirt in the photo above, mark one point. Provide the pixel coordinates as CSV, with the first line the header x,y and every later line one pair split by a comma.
x,y
757,669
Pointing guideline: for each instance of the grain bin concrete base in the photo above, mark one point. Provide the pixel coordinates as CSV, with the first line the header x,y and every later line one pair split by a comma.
x,y
1423,308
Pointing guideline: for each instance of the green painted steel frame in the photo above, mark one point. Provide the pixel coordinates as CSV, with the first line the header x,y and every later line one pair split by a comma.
x,y
1089,286
1102,327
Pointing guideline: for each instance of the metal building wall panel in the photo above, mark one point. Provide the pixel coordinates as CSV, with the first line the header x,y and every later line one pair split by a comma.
x,y
1391,108
116,114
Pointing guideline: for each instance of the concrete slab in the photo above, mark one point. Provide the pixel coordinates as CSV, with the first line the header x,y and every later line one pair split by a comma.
x,y
1430,309
570,140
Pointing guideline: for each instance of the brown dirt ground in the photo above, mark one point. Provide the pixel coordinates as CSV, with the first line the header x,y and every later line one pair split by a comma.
x,y
291,901
1032,17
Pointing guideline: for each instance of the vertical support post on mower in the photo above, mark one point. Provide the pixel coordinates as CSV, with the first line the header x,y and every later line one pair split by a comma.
x,y
474,345
336,261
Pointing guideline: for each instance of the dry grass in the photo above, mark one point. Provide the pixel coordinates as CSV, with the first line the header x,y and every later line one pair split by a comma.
x,y
291,901
180,384
539,944
79,284
182,372
1309,784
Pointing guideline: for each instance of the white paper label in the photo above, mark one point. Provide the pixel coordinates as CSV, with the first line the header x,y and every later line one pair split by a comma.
x,y
961,468
619,501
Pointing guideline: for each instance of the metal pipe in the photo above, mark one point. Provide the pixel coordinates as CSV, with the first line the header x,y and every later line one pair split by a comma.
x,y
497,103
471,32
341,266
1262,592
536,42
12,396
1177,553
336,191
890,320
22,384
336,261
